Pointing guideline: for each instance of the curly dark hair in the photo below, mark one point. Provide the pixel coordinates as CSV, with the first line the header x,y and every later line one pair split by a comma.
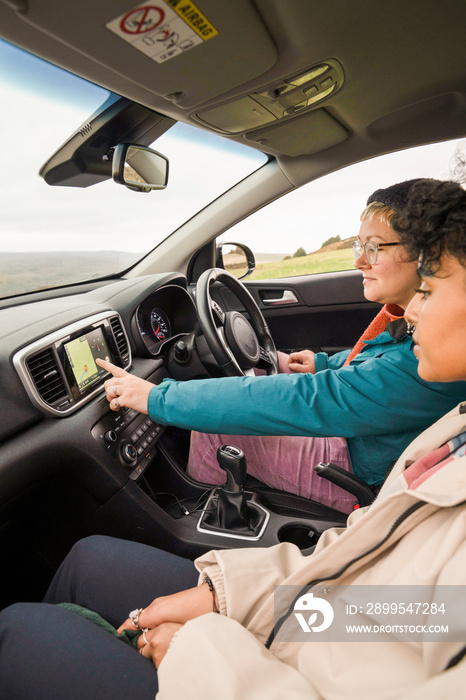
x,y
433,223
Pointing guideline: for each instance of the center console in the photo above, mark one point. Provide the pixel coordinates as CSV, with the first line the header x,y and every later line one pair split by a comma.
x,y
130,438
242,514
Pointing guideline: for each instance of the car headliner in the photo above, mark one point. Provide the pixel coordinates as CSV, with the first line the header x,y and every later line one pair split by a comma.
x,y
403,64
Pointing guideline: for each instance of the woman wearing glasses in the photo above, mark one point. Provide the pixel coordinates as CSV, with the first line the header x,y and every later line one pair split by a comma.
x,y
358,409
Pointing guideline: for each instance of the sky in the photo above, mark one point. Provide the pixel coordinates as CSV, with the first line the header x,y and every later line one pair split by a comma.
x,y
52,105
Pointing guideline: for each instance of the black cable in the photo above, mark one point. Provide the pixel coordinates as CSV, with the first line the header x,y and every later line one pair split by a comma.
x,y
177,501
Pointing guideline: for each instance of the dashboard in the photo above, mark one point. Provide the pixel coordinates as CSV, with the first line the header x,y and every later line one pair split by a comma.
x,y
59,370
49,347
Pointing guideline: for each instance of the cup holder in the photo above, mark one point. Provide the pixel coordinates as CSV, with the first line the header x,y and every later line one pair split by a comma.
x,y
299,534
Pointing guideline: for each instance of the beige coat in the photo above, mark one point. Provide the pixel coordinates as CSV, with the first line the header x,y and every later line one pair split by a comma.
x,y
224,657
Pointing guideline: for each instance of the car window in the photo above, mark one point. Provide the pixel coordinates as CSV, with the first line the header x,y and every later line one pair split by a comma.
x,y
311,230
53,236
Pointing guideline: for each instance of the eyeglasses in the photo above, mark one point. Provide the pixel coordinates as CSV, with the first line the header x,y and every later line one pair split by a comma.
x,y
371,250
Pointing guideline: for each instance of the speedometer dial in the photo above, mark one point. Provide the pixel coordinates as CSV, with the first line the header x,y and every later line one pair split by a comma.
x,y
160,324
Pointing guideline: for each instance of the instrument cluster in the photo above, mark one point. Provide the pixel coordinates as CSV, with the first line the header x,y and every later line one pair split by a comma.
x,y
160,324
162,316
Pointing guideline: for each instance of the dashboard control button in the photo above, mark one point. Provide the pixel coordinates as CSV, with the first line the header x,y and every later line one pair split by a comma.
x,y
111,436
128,454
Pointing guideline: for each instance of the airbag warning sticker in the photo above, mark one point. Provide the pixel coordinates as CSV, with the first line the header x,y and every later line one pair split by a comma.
x,y
163,29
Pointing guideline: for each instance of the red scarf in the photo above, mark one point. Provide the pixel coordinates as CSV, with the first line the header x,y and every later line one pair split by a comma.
x,y
389,312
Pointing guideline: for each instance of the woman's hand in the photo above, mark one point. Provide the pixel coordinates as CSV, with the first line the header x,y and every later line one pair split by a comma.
x,y
158,641
165,616
125,389
302,361
178,607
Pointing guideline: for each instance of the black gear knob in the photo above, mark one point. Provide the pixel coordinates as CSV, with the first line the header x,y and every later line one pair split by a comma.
x,y
232,460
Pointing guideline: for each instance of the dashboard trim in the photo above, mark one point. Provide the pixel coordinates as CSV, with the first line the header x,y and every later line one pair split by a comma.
x,y
21,357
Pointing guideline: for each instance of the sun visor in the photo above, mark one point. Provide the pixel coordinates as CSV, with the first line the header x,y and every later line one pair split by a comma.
x,y
304,135
184,51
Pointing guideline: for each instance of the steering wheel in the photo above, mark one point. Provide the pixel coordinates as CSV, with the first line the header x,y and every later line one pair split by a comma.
x,y
236,344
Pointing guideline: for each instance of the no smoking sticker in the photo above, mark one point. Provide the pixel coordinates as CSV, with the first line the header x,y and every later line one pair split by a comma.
x,y
163,29
142,20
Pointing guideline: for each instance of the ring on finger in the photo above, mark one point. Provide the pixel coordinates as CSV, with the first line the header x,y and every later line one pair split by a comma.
x,y
146,629
134,617
115,390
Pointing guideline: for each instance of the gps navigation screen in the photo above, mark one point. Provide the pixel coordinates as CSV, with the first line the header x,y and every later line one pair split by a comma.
x,y
82,354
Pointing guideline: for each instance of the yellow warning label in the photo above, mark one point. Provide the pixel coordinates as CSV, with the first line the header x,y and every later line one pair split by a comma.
x,y
188,11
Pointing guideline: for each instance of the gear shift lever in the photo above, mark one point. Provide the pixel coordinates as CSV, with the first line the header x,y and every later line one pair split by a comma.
x,y
230,511
233,462
232,508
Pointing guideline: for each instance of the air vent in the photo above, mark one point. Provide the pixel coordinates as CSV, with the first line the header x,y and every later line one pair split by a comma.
x,y
120,339
46,376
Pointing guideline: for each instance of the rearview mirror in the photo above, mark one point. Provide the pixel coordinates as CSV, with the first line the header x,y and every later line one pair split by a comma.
x,y
139,168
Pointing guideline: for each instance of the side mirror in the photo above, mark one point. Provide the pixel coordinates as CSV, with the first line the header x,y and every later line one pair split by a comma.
x,y
235,258
139,168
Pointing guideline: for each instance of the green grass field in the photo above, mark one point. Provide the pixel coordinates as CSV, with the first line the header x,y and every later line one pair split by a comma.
x,y
327,261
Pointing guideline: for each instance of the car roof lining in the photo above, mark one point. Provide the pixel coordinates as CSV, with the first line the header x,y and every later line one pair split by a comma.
x,y
405,82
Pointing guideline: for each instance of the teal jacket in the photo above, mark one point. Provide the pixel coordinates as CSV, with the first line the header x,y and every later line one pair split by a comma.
x,y
378,402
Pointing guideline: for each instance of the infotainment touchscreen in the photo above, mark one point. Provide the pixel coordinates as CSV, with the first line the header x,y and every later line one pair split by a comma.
x,y
82,354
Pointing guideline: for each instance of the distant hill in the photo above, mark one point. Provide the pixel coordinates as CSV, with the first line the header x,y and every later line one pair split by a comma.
x,y
339,245
25,272
276,257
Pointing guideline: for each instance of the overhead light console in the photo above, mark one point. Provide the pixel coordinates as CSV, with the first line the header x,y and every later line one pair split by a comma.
x,y
288,98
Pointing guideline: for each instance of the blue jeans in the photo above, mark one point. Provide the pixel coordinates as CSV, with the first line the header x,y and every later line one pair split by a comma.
x,y
48,653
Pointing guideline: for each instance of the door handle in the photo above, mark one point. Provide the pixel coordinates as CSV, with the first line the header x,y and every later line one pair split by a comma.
x,y
288,297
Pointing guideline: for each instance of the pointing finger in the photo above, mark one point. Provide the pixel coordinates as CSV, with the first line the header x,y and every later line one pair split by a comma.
x,y
113,369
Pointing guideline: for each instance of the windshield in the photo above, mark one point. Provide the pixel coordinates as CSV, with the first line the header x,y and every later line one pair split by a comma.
x,y
52,236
